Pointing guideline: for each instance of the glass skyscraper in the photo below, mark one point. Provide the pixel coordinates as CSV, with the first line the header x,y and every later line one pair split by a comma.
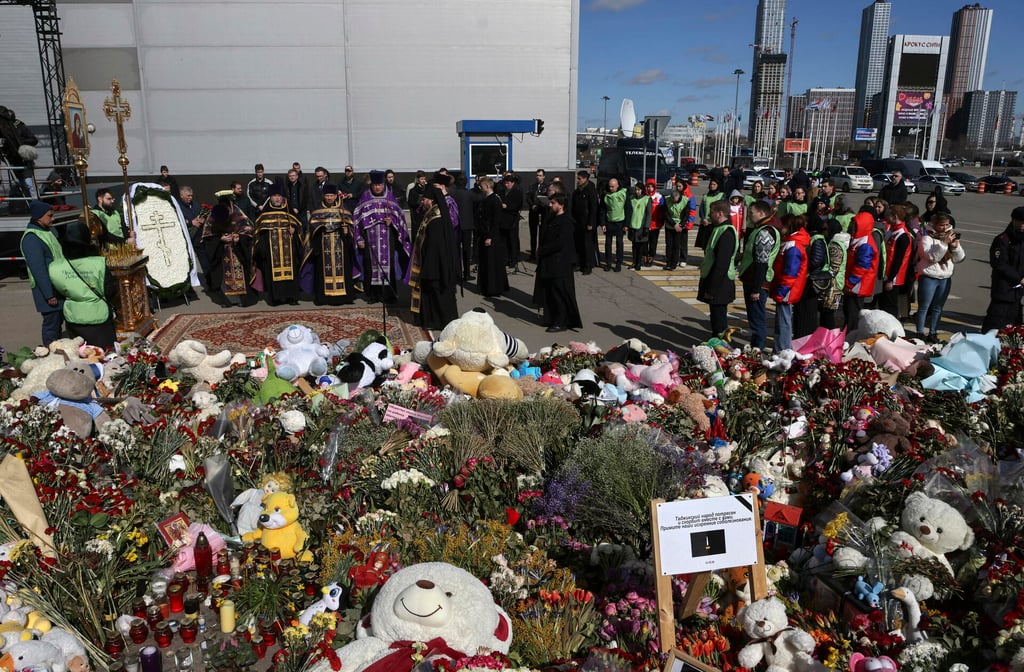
x,y
874,38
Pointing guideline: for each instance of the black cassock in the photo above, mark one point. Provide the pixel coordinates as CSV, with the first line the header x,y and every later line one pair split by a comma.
x,y
277,252
330,252
492,278
434,272
556,254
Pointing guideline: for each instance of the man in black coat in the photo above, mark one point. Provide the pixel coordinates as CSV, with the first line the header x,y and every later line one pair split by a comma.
x,y
536,203
1006,256
296,192
511,204
467,201
584,214
896,191
556,252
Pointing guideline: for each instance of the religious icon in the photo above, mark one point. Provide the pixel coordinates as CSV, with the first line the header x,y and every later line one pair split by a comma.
x,y
174,530
75,124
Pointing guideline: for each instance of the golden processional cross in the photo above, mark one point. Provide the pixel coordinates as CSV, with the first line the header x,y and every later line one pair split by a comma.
x,y
120,111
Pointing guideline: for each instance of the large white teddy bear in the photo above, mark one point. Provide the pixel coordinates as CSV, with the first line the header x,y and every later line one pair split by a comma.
x,y
191,357
46,361
302,354
444,607
784,648
929,528
468,349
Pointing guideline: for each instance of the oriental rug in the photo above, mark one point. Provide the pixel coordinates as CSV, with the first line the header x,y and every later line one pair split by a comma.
x,y
251,332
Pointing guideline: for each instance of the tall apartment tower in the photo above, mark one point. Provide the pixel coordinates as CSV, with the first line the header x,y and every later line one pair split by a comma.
x,y
968,51
768,76
874,40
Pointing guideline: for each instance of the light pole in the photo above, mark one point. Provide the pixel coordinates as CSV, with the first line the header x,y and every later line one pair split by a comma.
x,y
735,111
604,124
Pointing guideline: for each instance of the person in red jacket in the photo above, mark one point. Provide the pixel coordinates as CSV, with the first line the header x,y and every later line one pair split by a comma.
x,y
861,266
899,267
790,277
657,220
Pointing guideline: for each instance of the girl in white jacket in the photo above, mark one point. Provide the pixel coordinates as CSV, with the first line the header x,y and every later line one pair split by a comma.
x,y
939,251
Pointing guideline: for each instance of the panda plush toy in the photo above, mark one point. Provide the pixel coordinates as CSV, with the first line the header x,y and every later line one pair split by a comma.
x,y
367,368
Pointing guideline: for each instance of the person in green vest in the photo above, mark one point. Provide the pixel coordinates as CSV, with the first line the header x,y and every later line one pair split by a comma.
x,y
78,241
39,247
795,204
717,286
639,223
757,268
714,193
614,225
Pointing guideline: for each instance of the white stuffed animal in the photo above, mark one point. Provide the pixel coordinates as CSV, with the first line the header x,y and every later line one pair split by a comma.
x,y
435,603
929,528
75,657
32,654
330,601
367,368
301,353
46,361
192,357
784,648
874,322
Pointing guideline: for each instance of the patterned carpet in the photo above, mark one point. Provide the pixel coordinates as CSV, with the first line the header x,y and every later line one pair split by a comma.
x,y
250,332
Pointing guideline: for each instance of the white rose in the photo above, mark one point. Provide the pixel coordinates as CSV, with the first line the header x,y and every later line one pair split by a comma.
x,y
293,422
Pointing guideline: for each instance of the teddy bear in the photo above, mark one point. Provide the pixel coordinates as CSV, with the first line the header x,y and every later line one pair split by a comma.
x,y
70,391
32,654
76,659
861,663
191,357
784,648
439,609
301,353
368,367
929,528
468,349
279,527
45,362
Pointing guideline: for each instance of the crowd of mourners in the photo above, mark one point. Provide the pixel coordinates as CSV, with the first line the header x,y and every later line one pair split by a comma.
x,y
816,254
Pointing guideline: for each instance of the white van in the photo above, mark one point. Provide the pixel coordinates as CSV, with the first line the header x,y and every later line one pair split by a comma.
x,y
848,178
918,167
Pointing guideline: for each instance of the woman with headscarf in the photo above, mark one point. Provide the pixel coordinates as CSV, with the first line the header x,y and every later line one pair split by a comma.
x,y
434,274
715,193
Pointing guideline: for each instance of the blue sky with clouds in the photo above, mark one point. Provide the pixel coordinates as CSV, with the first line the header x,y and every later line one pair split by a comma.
x,y
677,57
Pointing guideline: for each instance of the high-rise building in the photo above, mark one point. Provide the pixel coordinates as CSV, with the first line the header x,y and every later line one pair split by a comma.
x,y
968,51
768,76
835,105
989,118
915,68
874,35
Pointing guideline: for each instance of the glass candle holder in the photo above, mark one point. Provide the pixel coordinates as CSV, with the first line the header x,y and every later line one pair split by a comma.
x,y
153,615
138,631
162,634
192,601
242,632
114,644
189,630
139,608
259,646
150,660
176,598
268,631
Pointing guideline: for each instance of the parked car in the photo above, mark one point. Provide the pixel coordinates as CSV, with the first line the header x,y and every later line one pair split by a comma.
x,y
773,174
969,181
749,177
848,178
880,180
927,184
997,183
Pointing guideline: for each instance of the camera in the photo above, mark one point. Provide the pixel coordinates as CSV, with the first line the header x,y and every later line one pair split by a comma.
x,y
956,235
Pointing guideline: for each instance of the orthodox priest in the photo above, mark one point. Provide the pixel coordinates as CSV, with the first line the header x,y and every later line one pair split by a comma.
x,y
382,243
330,251
435,264
227,242
277,250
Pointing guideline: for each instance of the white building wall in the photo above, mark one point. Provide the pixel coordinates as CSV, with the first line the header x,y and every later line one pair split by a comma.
x,y
372,83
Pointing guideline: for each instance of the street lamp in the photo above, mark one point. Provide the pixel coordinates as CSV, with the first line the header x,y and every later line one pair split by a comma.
x,y
604,124
735,110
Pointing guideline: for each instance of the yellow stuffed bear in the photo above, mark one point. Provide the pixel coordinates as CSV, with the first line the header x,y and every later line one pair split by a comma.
x,y
279,527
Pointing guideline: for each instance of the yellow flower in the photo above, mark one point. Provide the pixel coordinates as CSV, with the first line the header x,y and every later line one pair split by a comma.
x,y
169,385
327,620
837,526
832,662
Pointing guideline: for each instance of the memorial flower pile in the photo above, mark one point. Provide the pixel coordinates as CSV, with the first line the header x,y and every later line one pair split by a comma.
x,y
546,500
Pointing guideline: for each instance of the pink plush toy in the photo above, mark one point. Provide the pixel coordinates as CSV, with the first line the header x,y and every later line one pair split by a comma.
x,y
406,372
861,663
186,558
633,413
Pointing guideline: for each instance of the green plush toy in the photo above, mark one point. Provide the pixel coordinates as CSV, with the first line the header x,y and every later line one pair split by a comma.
x,y
274,387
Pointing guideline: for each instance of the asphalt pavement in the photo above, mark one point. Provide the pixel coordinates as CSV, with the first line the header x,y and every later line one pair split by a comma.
x,y
657,306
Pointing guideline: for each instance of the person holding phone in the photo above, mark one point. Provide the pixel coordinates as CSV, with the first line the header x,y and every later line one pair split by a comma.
x,y
939,252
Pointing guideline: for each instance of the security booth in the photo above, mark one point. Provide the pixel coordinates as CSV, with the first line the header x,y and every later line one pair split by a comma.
x,y
487,143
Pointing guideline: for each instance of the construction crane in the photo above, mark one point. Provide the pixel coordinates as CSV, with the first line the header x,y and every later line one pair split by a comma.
x,y
789,75
51,62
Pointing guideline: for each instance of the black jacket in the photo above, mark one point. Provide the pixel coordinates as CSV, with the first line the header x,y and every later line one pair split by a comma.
x,y
1006,255
467,201
513,200
894,192
716,288
584,205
